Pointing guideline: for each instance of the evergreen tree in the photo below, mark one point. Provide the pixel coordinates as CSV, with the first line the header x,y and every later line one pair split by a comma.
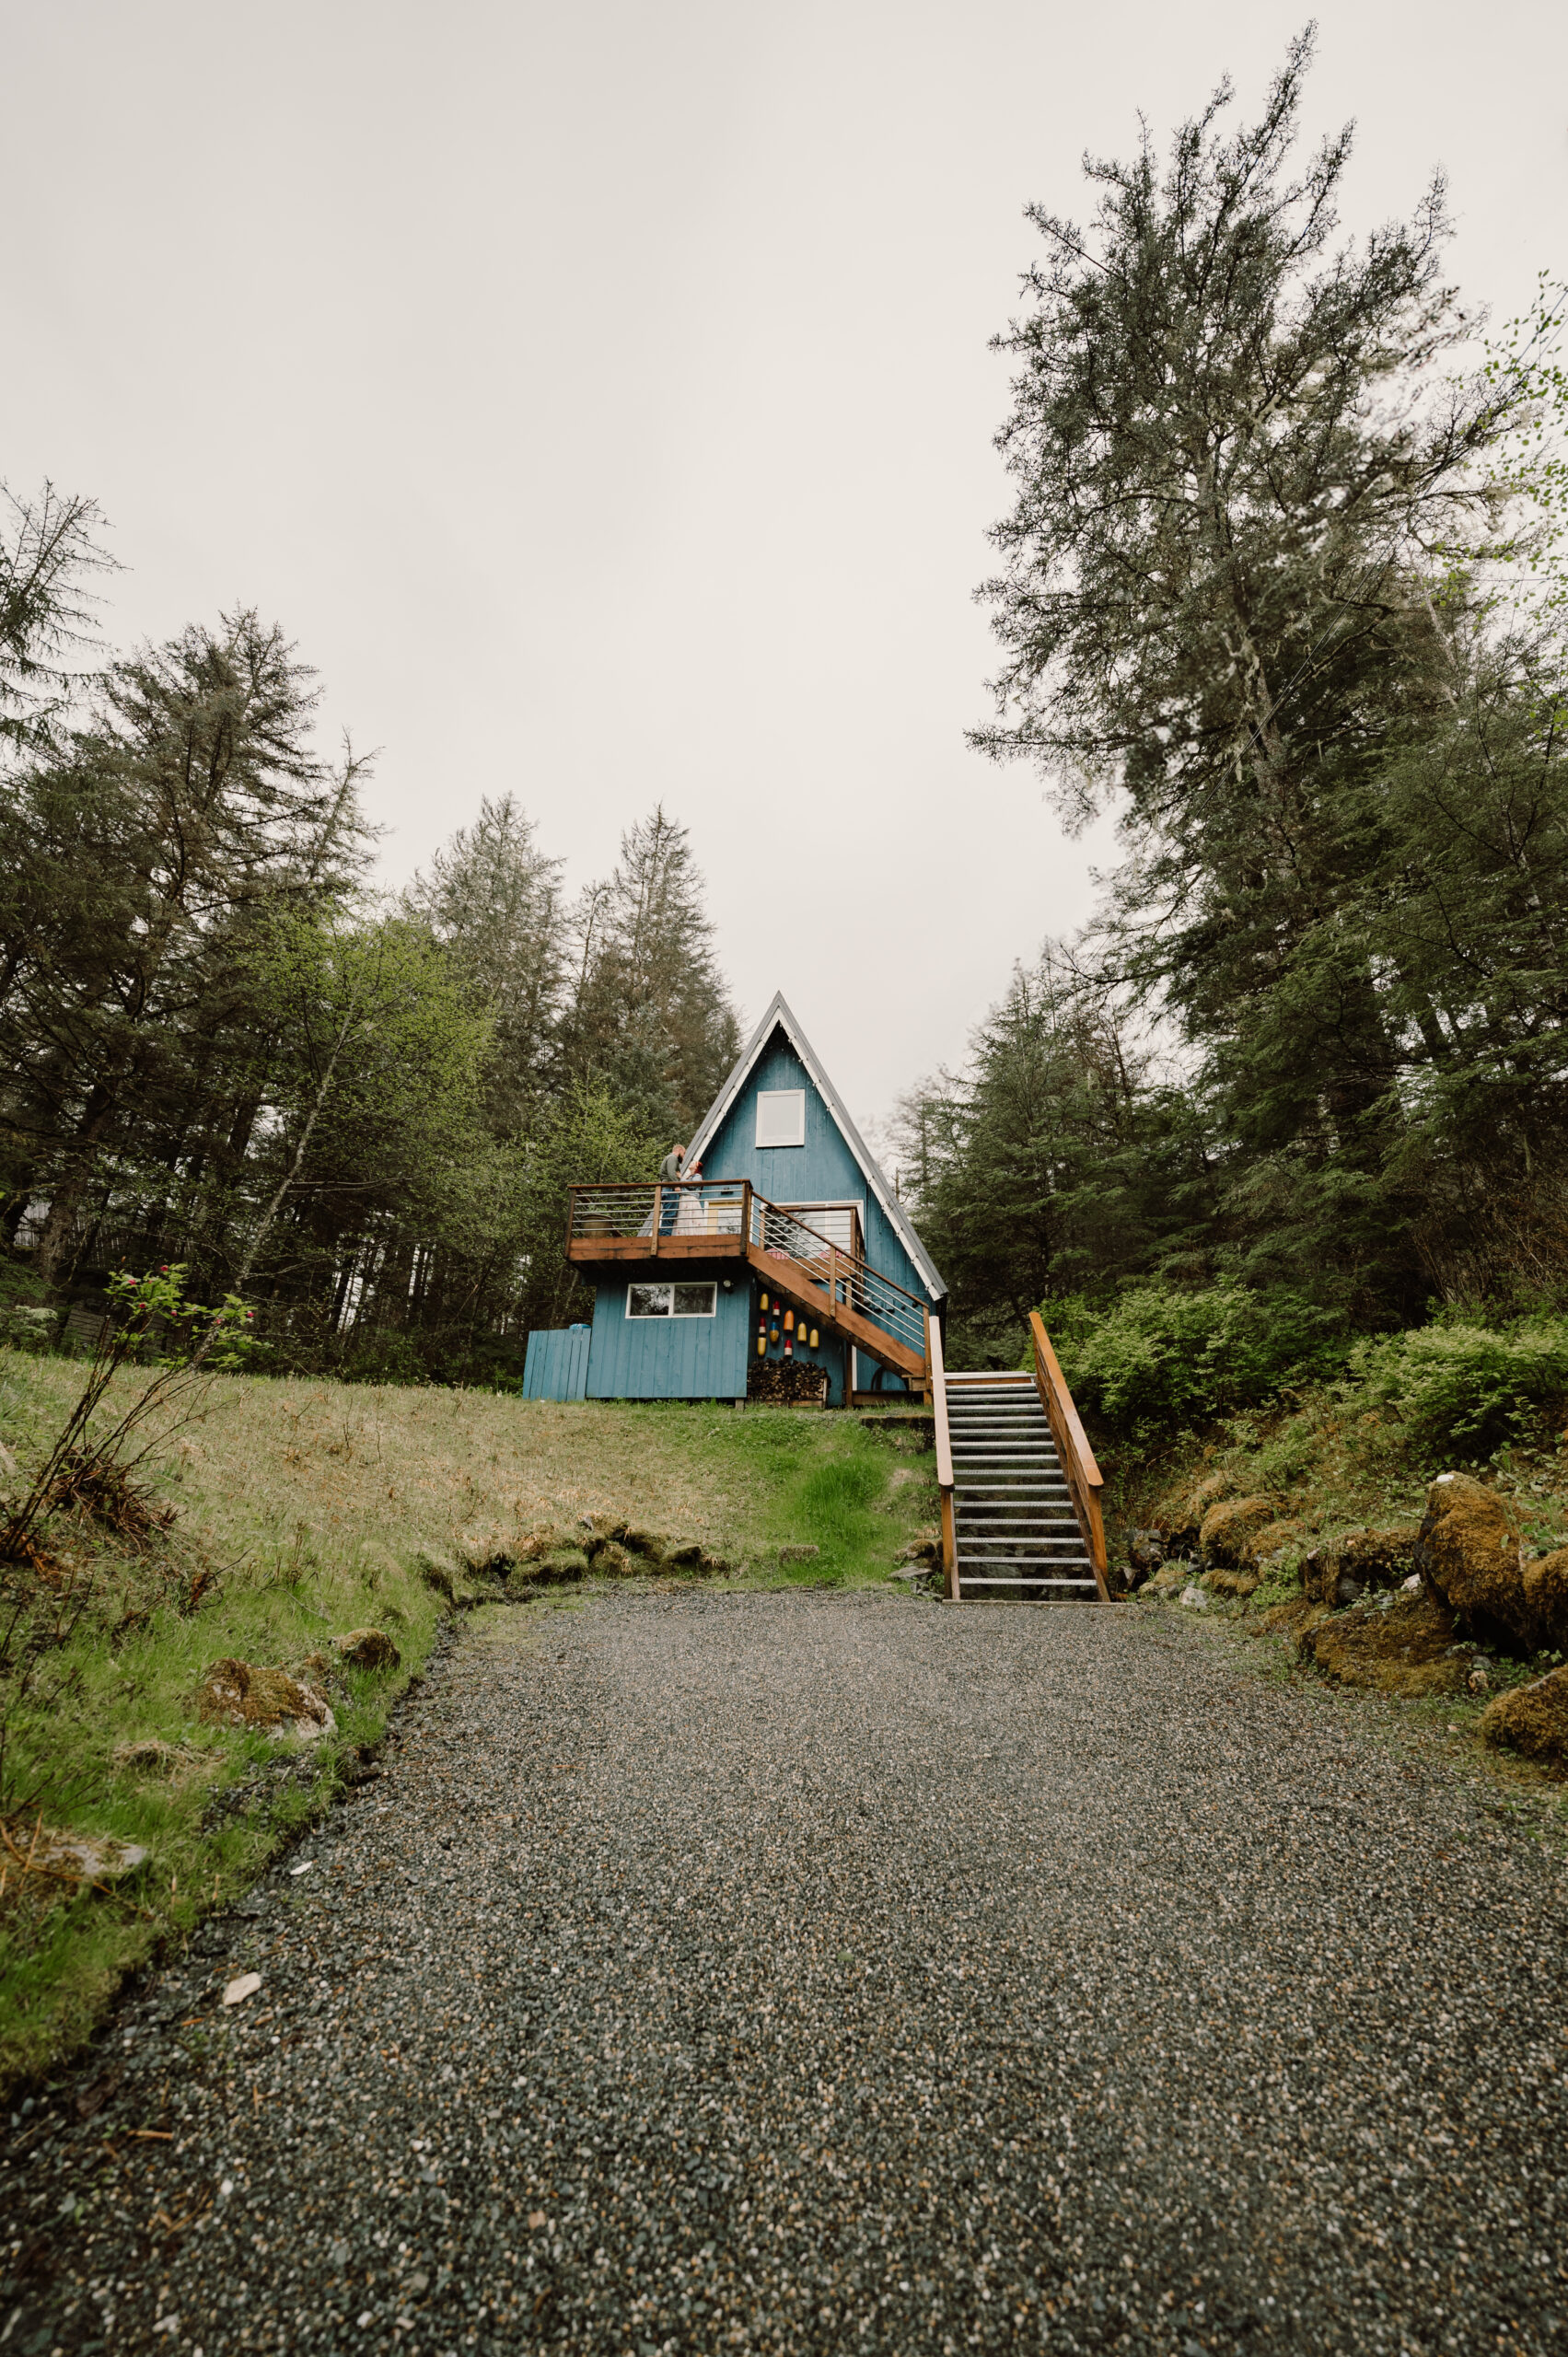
x,y
1221,609
1056,1160
650,1017
494,899
142,856
47,547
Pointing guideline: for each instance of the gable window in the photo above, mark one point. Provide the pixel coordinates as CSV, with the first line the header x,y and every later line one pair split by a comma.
x,y
671,1301
781,1116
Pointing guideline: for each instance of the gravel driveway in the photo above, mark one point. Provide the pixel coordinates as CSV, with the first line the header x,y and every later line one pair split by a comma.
x,y
806,1973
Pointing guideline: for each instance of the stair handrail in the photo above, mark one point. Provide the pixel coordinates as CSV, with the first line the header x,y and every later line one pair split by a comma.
x,y
1083,1479
938,1372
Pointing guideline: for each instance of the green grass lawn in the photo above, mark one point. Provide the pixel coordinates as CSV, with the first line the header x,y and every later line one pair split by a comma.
x,y
303,1510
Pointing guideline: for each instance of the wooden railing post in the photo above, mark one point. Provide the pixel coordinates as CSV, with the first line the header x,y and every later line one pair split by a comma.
x,y
1084,1480
938,1395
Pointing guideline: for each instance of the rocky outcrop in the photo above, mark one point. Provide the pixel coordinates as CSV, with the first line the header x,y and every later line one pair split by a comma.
x,y
1468,1555
1532,1719
1546,1600
1347,1568
48,1852
439,1572
1226,1527
367,1649
1407,1647
1471,1553
1145,1554
611,1547
236,1694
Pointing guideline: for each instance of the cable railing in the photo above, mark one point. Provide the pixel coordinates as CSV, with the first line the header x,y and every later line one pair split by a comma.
x,y
686,1211
678,1207
840,1275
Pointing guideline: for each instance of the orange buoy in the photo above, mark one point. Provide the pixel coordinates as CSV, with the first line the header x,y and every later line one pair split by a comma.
x,y
789,1321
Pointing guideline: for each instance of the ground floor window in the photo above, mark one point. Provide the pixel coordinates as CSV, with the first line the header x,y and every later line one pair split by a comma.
x,y
671,1301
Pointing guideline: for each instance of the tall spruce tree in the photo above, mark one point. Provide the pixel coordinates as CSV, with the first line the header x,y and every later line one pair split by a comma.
x,y
1234,456
142,856
651,1015
493,898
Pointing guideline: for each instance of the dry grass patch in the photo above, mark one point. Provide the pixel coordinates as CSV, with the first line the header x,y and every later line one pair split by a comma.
x,y
293,1529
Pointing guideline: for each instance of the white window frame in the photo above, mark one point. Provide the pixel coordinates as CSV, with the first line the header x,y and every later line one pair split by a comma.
x,y
781,1097
669,1285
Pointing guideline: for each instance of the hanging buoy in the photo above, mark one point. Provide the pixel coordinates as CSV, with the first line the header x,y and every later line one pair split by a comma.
x,y
762,1301
789,1321
772,1333
814,1344
789,1348
761,1346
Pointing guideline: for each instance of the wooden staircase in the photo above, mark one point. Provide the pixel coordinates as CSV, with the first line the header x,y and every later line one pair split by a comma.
x,y
1018,1481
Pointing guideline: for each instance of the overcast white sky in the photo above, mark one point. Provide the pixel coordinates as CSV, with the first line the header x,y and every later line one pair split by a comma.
x,y
598,392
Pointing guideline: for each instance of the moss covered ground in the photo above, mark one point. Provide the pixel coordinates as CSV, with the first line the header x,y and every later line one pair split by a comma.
x,y
302,1510
1335,1478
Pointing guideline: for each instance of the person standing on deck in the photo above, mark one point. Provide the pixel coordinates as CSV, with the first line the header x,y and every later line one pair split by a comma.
x,y
669,1171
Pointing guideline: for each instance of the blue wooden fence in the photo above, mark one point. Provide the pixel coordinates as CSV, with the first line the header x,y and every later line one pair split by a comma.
x,y
557,1363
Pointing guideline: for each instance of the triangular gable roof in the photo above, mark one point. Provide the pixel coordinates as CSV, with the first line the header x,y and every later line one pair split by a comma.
x,y
779,1017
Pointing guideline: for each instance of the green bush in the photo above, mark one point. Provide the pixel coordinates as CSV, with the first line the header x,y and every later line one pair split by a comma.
x,y
1468,1388
1160,1358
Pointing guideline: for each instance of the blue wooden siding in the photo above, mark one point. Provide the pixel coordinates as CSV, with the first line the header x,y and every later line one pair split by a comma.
x,y
557,1365
822,1170
670,1358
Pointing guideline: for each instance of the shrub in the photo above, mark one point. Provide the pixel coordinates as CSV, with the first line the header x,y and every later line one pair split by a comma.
x,y
1157,1357
1466,1388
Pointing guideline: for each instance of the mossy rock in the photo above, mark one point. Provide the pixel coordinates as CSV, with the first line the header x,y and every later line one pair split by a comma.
x,y
1227,1528
238,1694
438,1572
367,1649
1407,1647
1469,1553
1546,1600
1532,1719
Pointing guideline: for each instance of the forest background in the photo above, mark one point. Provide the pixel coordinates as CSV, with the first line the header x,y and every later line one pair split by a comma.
x,y
1282,589
224,1052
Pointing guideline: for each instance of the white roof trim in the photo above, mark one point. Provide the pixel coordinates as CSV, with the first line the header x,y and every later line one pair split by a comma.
x,y
779,1017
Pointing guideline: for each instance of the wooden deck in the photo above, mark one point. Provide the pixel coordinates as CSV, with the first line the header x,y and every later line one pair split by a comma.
x,y
651,1227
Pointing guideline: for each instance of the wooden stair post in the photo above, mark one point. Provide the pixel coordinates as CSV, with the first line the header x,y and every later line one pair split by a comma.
x,y
1084,1482
938,1397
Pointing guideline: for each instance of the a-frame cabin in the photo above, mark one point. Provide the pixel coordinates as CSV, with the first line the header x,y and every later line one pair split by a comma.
x,y
783,1266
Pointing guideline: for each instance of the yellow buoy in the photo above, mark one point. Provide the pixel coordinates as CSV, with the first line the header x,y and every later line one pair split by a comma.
x,y
814,1344
761,1346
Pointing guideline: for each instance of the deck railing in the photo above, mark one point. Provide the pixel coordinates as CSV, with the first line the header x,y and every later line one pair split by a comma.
x,y
838,1274
1084,1482
684,1208
688,1209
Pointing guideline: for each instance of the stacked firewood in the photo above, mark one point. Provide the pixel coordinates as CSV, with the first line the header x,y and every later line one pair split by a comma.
x,y
788,1383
